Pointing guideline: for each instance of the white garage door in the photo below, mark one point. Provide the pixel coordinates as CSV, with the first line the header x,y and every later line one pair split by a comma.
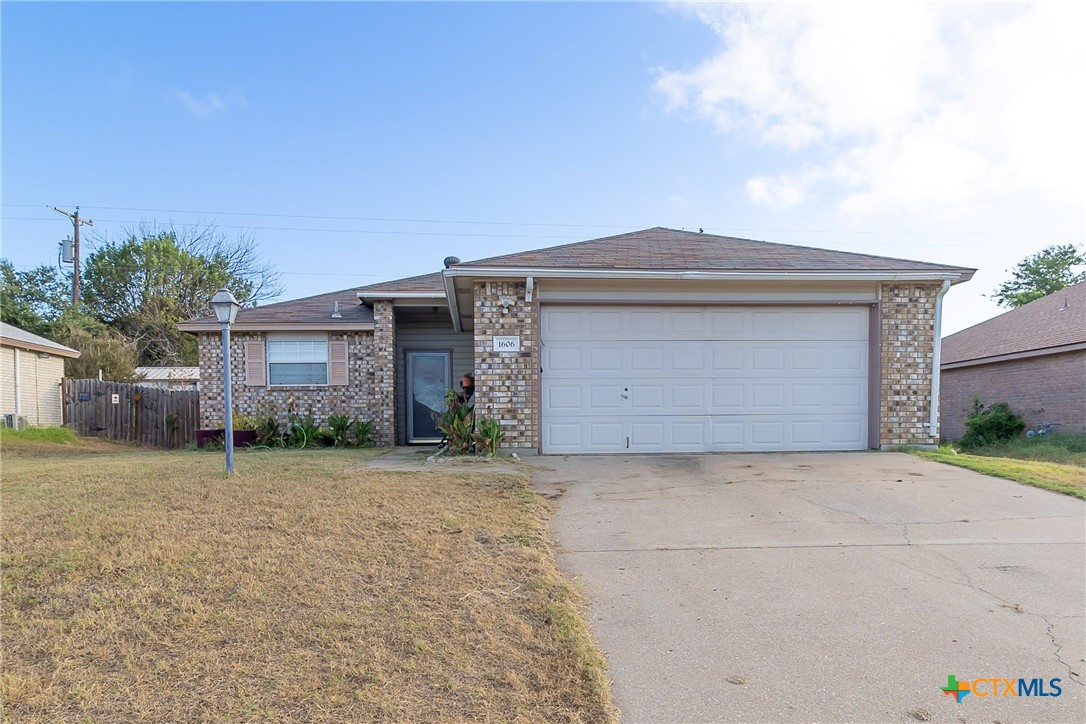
x,y
687,379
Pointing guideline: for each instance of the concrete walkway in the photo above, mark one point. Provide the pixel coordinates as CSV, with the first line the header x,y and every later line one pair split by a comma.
x,y
822,587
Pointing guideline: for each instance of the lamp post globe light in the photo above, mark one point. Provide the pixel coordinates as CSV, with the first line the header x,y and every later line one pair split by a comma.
x,y
226,311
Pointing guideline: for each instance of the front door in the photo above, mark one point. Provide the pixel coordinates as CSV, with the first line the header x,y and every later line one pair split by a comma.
x,y
428,379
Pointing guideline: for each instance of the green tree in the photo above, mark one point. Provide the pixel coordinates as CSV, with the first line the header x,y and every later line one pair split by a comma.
x,y
153,278
102,348
33,299
1042,274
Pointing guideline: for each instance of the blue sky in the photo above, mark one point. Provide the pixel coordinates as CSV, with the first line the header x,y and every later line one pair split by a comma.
x,y
919,133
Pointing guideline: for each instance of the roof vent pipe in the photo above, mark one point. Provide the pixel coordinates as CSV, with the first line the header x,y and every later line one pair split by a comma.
x,y
450,260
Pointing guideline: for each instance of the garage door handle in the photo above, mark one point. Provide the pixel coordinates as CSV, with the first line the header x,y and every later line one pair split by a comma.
x,y
625,390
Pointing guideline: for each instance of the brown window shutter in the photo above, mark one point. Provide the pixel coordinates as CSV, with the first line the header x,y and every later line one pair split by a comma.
x,y
337,362
256,374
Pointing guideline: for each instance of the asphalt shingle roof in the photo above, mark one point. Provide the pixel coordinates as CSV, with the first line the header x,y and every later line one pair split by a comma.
x,y
308,310
657,248
1053,321
666,249
423,283
11,333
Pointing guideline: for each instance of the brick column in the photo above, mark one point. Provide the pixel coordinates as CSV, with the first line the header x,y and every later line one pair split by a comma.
x,y
384,374
507,383
908,346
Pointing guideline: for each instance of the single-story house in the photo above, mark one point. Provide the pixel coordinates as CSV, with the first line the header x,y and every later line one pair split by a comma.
x,y
169,378
31,371
1032,357
652,341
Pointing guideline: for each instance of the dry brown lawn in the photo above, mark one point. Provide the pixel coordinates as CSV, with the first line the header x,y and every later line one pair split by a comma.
x,y
147,586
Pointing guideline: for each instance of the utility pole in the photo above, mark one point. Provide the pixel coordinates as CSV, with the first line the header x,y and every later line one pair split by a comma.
x,y
77,222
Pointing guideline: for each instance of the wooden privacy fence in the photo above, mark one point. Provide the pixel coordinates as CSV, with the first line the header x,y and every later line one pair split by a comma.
x,y
133,413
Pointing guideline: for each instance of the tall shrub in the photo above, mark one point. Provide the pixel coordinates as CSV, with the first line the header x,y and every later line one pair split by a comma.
x,y
989,425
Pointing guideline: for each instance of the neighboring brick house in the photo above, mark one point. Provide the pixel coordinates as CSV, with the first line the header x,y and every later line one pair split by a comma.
x,y
31,370
1033,358
653,341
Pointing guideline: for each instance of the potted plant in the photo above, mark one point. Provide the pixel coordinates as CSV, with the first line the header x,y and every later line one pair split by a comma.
x,y
244,432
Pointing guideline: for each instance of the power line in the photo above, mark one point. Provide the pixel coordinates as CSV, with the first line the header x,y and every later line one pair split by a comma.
x,y
720,228
323,231
125,267
380,232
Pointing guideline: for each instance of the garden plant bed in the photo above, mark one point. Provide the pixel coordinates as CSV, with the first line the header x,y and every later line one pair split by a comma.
x,y
147,585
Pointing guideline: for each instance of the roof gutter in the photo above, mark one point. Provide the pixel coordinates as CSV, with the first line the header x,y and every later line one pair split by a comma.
x,y
401,295
522,272
1011,356
454,306
34,347
933,413
276,327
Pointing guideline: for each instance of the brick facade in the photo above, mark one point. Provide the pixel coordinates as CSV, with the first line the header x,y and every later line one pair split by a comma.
x,y
354,399
907,346
384,374
1051,388
508,388
507,383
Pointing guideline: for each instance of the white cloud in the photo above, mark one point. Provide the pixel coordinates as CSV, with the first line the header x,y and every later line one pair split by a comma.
x,y
896,108
210,103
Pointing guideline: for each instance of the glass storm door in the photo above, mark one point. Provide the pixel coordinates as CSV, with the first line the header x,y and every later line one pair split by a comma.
x,y
428,379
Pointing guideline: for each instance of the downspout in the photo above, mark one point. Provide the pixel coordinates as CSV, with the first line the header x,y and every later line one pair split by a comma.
x,y
936,361
18,384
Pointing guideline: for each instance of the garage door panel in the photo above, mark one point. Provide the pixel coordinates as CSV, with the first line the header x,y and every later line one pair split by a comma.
x,y
606,359
694,379
729,397
563,397
644,398
606,435
557,359
646,359
606,398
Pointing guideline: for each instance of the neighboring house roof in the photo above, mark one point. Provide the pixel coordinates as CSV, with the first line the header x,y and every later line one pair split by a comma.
x,y
168,374
668,249
12,336
1044,326
297,314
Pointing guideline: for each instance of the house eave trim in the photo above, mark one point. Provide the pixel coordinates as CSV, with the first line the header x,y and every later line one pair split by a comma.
x,y
32,347
278,327
696,274
401,295
1014,356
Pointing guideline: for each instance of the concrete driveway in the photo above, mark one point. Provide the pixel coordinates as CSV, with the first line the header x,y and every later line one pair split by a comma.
x,y
822,587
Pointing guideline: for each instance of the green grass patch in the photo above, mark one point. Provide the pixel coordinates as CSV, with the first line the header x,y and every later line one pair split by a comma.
x,y
58,435
1058,477
1062,448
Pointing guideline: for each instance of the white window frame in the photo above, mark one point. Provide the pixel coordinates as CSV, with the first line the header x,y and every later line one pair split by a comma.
x,y
295,337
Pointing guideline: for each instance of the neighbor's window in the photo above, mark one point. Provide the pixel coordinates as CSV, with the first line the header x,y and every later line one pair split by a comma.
x,y
298,360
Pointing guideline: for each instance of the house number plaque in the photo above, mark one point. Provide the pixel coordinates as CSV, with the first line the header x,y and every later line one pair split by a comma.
x,y
507,344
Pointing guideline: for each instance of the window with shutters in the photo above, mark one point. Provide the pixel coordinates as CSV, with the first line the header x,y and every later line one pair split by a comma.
x,y
297,359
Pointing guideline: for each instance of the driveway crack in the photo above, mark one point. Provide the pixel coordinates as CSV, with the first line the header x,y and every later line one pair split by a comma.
x,y
1005,603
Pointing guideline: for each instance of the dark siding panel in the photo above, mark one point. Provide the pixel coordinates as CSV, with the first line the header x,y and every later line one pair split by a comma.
x,y
417,330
